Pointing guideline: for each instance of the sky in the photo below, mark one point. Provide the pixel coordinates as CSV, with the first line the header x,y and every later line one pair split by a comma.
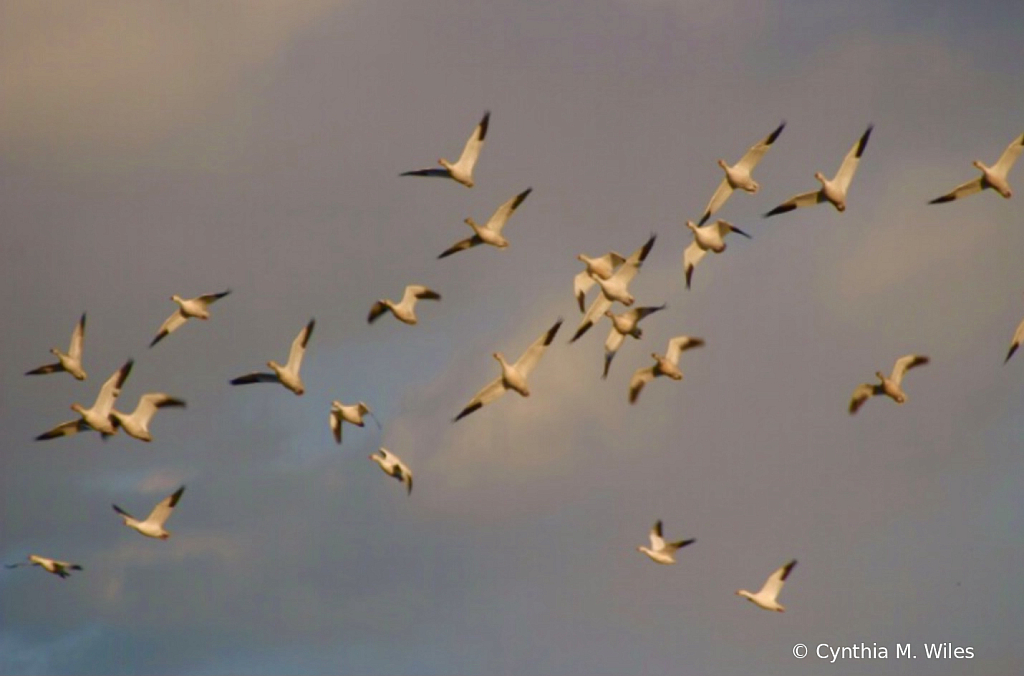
x,y
150,149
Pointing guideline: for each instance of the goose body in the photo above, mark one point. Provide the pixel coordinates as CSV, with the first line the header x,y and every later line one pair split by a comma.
x,y
405,310
59,568
737,177
462,170
188,308
513,376
602,266
834,190
72,360
624,324
490,232
352,414
153,525
660,551
667,365
994,177
98,416
767,596
615,288
889,386
287,375
706,238
137,423
392,465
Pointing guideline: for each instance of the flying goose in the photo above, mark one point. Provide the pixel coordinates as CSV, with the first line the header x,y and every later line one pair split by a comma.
x,y
98,417
890,386
351,414
70,362
393,466
615,288
137,424
663,366
58,568
404,311
660,551
766,598
461,171
287,375
189,307
490,233
513,376
624,324
602,266
833,191
991,177
1018,338
706,238
738,175
153,526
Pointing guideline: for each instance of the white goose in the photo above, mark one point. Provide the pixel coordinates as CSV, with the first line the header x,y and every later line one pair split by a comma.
x,y
890,386
287,375
98,417
70,362
513,376
393,466
58,568
189,308
833,191
624,324
490,233
615,288
153,525
351,414
766,597
137,424
738,175
706,238
663,366
405,310
994,177
602,266
1018,338
660,551
462,170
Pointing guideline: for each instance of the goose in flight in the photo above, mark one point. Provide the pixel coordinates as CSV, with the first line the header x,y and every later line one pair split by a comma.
x,y
287,375
602,266
137,424
833,191
615,288
153,525
738,175
58,568
490,233
663,366
404,311
991,177
189,307
97,417
890,386
393,466
624,324
1018,338
706,238
351,414
766,597
70,362
513,376
462,170
660,551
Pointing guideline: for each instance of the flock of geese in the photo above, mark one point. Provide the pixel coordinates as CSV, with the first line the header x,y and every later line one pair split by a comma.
x,y
611,274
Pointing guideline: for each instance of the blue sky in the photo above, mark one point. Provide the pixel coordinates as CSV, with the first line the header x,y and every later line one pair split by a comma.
x,y
152,149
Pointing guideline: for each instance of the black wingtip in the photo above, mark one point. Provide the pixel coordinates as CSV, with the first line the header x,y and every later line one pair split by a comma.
x,y
176,495
689,275
1013,348
484,123
864,140
942,199
775,134
466,411
789,568
703,219
552,331
781,209
580,331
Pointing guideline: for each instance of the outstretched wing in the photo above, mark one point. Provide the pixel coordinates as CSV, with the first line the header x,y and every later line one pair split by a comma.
x,y
501,215
170,325
640,378
863,392
298,349
528,360
77,340
677,345
489,393
251,378
596,311
962,190
717,200
163,510
112,389
806,199
1009,156
852,159
773,585
122,512
691,256
657,539
1018,338
471,151
210,298
462,245
64,429
757,151
904,364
